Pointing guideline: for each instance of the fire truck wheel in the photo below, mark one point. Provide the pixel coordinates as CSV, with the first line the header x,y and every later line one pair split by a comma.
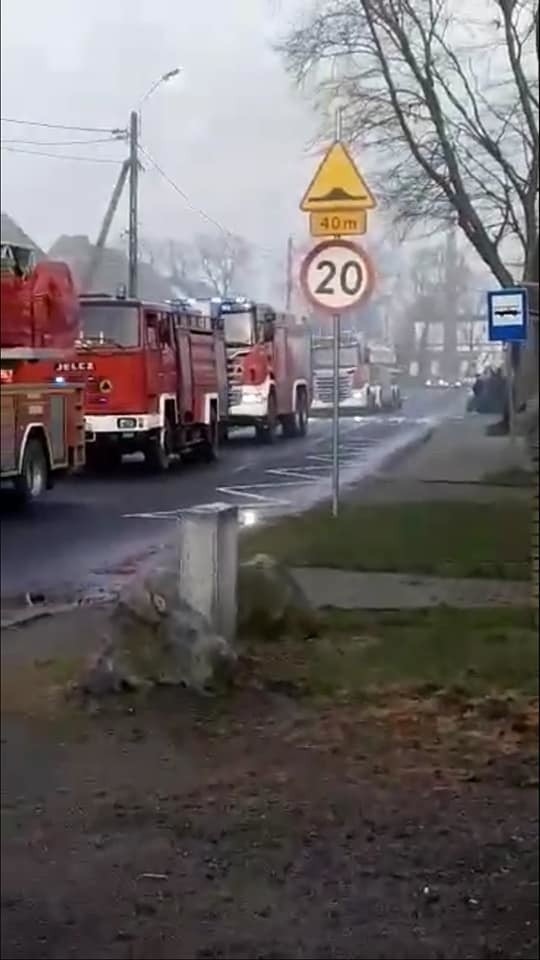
x,y
157,453
266,432
33,480
210,447
301,416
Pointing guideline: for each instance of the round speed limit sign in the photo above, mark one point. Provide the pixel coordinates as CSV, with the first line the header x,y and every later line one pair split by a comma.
x,y
336,276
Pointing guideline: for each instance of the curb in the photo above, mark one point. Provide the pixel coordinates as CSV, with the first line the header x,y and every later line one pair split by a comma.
x,y
408,448
392,457
20,617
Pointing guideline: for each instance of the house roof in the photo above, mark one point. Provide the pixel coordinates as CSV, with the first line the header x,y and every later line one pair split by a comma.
x,y
11,232
112,268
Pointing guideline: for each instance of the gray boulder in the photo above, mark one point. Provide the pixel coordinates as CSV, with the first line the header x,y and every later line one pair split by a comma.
x,y
155,637
270,601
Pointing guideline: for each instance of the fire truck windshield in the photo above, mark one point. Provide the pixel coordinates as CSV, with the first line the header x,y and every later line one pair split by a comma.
x,y
324,357
239,327
110,323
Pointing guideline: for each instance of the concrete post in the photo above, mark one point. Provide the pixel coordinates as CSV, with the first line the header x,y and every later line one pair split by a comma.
x,y
209,564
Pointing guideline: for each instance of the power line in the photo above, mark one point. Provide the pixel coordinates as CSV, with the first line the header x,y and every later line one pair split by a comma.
x,y
183,194
193,207
59,143
58,156
62,126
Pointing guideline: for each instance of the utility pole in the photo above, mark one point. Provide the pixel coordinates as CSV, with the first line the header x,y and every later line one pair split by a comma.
x,y
133,205
105,227
289,278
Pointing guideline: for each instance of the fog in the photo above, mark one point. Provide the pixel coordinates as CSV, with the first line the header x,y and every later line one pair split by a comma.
x,y
229,130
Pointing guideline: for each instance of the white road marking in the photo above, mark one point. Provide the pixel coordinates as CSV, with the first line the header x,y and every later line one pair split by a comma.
x,y
299,472
258,497
353,451
157,515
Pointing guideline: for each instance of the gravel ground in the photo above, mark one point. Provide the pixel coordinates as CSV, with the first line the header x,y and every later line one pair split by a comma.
x,y
264,827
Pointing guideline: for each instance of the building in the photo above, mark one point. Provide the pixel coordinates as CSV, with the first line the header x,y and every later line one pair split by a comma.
x,y
11,232
111,271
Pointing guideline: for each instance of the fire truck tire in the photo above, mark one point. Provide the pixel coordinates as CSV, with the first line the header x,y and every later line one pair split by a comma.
x,y
266,432
157,453
295,424
34,477
301,415
210,446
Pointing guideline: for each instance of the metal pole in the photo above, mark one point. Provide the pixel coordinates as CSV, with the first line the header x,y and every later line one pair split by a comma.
x,y
105,227
335,416
338,123
510,392
335,379
133,205
288,290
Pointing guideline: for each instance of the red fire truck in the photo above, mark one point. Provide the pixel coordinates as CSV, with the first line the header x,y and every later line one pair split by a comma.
x,y
366,376
155,376
42,423
355,393
268,368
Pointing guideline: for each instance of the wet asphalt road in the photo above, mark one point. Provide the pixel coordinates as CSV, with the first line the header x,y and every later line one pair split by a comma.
x,y
89,533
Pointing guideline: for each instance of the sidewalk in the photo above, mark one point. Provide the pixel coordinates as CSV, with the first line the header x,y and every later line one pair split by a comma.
x,y
452,464
351,590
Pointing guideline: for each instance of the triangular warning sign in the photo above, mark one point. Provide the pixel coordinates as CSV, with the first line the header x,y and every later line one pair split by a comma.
x,y
337,185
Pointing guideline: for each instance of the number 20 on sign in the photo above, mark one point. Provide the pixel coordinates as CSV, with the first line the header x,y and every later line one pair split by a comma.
x,y
336,276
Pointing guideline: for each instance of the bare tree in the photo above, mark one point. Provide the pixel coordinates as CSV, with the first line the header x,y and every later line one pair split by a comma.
x,y
222,259
448,101
441,299
172,258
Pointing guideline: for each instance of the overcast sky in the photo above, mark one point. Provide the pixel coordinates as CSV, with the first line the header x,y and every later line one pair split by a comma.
x,y
230,130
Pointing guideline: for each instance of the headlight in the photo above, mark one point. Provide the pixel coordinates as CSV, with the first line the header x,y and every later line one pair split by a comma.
x,y
359,394
126,423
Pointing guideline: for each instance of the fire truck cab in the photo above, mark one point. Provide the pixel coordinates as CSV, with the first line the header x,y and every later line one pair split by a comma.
x,y
268,367
355,394
155,376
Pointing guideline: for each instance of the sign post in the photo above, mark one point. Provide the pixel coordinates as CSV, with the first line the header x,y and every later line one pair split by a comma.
x,y
335,414
507,323
336,275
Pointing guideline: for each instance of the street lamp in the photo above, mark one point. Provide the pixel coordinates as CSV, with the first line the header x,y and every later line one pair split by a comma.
x,y
134,135
169,75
